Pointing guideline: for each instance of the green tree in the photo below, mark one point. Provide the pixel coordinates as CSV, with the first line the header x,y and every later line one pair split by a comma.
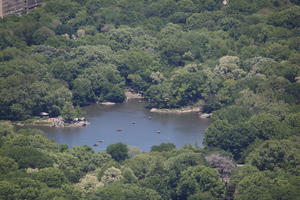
x,y
8,190
99,83
163,147
230,137
293,121
7,165
199,179
27,156
276,154
126,192
264,186
177,164
228,68
201,196
29,188
144,165
232,113
69,112
81,159
51,176
269,126
288,18
293,92
241,172
42,34
118,151
160,96
158,183
6,129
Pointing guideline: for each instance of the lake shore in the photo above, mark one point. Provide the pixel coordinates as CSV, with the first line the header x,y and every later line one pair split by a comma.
x,y
131,94
50,122
107,103
188,109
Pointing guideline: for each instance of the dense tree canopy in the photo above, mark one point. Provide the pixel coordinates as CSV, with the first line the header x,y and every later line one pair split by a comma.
x,y
96,48
118,151
238,59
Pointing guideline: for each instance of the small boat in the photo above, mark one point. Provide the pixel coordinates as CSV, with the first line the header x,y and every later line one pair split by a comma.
x,y
133,122
100,141
149,117
119,130
95,145
158,131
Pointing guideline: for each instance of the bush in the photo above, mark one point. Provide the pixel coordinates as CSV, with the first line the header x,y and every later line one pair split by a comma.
x,y
27,157
118,151
163,147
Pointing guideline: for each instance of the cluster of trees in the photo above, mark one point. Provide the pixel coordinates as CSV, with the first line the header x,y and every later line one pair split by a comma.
x,y
33,167
242,59
239,131
174,52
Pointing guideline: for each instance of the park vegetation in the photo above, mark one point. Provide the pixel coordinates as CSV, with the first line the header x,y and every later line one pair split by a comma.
x,y
33,167
241,61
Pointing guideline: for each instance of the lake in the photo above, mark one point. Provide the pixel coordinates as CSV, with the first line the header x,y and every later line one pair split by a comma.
x,y
130,123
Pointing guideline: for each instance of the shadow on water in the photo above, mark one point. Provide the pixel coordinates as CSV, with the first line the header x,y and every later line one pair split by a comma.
x,y
132,124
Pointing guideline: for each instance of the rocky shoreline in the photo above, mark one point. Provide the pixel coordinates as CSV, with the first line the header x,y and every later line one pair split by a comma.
x,y
131,94
76,122
187,109
205,115
106,103
54,122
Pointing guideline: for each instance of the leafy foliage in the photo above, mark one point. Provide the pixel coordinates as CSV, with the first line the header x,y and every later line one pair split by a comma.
x,y
118,151
240,59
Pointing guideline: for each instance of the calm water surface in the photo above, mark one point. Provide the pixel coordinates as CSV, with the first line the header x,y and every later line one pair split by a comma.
x,y
130,123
